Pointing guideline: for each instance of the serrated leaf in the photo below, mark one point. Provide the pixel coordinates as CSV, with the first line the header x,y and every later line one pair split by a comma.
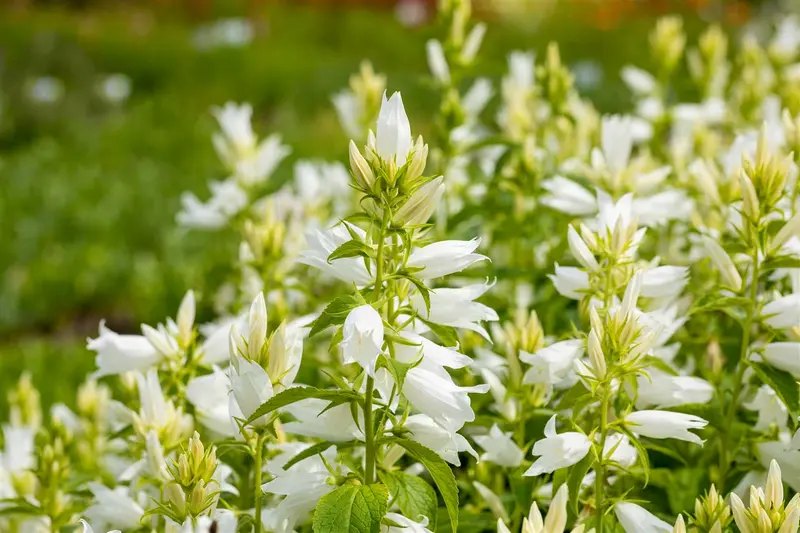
x,y
413,495
351,249
336,312
440,472
296,394
352,509
422,289
783,383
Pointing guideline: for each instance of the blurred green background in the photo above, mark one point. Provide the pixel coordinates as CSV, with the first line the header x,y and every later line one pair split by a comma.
x,y
91,185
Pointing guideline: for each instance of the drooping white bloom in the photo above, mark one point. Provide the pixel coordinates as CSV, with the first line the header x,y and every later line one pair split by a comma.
x,y
428,386
250,385
323,243
570,282
405,525
302,485
210,395
313,418
88,529
499,448
393,137
568,197
638,80
437,63
659,389
616,143
17,456
666,425
227,199
446,443
457,308
664,281
636,519
113,508
155,411
553,364
784,355
558,450
618,448
783,312
445,257
362,340
117,353
771,410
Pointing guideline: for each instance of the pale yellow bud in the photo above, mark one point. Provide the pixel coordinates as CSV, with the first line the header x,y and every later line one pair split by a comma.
x,y
791,522
773,492
789,230
596,355
723,262
362,172
419,158
750,206
421,205
176,497
680,526
743,522
185,319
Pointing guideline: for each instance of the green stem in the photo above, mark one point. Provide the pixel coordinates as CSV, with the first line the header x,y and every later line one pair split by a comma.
x,y
369,435
258,456
600,468
738,386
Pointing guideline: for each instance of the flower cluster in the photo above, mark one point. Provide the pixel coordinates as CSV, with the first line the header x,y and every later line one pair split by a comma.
x,y
545,308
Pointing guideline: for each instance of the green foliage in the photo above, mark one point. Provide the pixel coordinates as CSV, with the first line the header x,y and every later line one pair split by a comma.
x,y
412,495
352,509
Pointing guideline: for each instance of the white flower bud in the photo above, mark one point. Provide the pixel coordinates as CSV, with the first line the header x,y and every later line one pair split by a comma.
x,y
437,61
361,170
473,43
393,138
581,251
257,327
723,262
596,355
773,491
185,317
789,230
750,206
419,208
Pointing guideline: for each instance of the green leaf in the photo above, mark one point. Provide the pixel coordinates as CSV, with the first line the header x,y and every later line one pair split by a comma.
x,y
336,312
413,495
397,369
781,261
290,396
576,475
308,452
352,509
782,382
351,249
716,302
423,290
446,334
440,472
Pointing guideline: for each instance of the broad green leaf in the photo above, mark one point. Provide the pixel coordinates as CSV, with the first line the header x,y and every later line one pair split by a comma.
x,y
351,249
352,509
440,472
782,382
290,396
413,496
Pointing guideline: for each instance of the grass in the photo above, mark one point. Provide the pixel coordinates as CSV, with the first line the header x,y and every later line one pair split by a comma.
x,y
90,191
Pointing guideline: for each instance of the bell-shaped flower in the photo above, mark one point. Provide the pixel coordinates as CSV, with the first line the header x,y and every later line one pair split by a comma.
x,y
659,389
664,282
556,451
619,449
636,519
568,197
428,387
113,508
210,396
553,365
771,410
251,386
227,199
445,442
157,413
313,418
302,485
444,257
784,355
554,522
783,312
117,353
323,243
457,308
570,282
405,525
393,136
362,338
666,425
499,448
237,138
